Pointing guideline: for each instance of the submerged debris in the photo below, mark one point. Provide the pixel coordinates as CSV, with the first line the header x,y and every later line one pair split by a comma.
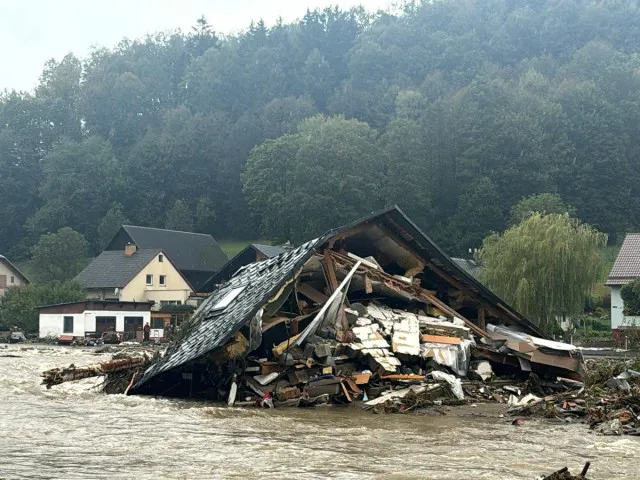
x,y
114,369
564,474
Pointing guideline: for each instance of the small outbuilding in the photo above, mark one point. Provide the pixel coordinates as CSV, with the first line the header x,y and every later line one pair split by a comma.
x,y
92,317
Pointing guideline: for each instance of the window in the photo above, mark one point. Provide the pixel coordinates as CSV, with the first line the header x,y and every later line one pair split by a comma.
x,y
161,258
13,279
229,297
149,280
68,325
157,323
163,280
164,303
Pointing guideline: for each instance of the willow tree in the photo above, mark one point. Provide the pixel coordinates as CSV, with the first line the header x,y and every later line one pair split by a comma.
x,y
544,267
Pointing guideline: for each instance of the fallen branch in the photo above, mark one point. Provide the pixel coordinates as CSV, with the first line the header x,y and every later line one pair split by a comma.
x,y
56,376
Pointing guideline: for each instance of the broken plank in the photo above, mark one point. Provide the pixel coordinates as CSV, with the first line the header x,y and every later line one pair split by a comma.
x,y
346,393
331,271
440,339
308,291
282,347
402,377
353,386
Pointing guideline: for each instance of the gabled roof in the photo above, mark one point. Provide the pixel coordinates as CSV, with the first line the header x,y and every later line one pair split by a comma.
x,y
188,251
244,257
626,268
12,267
254,284
268,251
112,268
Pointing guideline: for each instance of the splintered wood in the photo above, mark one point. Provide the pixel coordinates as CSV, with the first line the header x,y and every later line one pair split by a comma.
x,y
56,376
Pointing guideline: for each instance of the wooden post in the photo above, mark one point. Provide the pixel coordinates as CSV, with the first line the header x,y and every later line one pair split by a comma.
x,y
482,323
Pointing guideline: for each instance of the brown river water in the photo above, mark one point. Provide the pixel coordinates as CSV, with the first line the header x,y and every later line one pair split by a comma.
x,y
74,432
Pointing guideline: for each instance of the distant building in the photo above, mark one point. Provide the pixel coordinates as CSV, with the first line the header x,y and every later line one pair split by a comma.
x,y
472,267
10,276
197,256
133,275
625,269
251,254
78,319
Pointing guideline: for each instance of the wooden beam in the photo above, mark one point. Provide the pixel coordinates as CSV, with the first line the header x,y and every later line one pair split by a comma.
x,y
445,308
331,271
308,291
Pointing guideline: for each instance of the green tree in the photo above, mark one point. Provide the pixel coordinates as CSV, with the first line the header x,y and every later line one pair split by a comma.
x,y
205,215
179,217
59,256
545,266
630,294
327,174
544,203
81,181
18,306
109,225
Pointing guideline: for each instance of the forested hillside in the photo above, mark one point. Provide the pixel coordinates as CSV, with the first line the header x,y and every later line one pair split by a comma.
x,y
454,110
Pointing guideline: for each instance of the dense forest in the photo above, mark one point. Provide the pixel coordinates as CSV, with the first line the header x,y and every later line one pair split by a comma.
x,y
455,110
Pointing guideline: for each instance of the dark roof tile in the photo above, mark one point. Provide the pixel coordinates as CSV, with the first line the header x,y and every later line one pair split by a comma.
x,y
112,268
188,251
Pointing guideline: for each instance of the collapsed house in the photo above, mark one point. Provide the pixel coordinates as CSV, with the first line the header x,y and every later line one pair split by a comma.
x,y
346,316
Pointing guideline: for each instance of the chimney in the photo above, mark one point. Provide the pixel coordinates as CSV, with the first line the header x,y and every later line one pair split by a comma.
x,y
130,249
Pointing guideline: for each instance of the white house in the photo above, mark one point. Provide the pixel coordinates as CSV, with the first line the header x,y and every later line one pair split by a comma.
x,y
10,276
625,270
94,317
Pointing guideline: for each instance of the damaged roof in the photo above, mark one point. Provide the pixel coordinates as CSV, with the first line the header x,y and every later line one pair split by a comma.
x,y
255,284
252,287
626,268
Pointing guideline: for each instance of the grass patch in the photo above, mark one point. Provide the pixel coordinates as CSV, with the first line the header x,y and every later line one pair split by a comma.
x,y
233,247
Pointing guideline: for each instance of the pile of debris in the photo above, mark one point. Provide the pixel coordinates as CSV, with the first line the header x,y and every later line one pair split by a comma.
x,y
381,349
373,312
610,407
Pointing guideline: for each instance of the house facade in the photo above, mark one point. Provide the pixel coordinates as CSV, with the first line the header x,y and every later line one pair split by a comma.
x,y
78,319
625,269
10,276
138,275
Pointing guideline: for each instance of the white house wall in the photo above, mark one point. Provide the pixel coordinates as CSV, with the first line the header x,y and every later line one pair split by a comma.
x,y
618,318
52,324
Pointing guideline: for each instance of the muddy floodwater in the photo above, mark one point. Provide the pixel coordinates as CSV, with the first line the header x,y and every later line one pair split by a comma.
x,y
72,432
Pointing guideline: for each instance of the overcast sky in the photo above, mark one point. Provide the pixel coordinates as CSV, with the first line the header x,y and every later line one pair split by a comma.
x,y
33,31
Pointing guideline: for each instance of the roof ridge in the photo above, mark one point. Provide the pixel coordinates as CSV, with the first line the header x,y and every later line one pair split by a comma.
x,y
169,230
